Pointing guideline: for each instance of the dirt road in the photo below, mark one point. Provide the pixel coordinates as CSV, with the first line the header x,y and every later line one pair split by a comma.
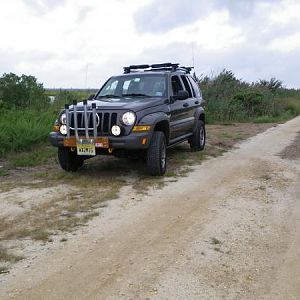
x,y
230,229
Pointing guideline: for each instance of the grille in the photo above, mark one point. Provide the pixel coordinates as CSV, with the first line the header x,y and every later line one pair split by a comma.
x,y
105,121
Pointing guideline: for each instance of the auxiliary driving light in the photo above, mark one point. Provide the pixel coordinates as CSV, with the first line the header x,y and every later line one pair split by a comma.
x,y
116,130
63,129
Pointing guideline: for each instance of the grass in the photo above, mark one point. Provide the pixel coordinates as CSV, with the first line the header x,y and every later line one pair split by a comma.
x,y
273,119
7,257
63,213
34,157
231,136
3,172
22,129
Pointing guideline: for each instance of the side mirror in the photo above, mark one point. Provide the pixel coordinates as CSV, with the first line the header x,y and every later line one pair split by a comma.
x,y
91,97
182,95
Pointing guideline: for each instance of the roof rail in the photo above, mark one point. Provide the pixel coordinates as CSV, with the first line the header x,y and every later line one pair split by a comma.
x,y
158,67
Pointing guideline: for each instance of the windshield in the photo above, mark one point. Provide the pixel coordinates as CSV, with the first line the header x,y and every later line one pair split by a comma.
x,y
134,86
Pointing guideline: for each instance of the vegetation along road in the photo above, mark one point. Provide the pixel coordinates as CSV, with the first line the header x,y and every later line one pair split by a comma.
x,y
228,229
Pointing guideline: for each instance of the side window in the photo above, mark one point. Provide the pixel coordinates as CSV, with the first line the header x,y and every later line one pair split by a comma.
x,y
187,86
176,85
195,87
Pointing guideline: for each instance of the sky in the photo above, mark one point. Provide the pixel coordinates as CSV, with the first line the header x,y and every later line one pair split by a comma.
x,y
79,44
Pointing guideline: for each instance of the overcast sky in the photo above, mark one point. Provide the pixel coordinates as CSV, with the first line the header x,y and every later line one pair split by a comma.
x,y
75,43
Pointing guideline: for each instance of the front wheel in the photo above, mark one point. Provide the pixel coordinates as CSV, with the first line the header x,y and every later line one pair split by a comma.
x,y
69,160
197,140
157,154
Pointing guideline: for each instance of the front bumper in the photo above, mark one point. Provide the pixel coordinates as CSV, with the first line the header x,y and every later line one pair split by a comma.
x,y
132,141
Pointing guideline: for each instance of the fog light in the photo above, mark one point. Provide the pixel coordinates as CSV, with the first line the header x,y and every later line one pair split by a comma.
x,y
63,129
116,130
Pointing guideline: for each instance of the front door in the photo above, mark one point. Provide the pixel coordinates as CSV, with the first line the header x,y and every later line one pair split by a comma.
x,y
182,116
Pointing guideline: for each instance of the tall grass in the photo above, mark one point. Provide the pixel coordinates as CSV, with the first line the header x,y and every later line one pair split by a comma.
x,y
22,129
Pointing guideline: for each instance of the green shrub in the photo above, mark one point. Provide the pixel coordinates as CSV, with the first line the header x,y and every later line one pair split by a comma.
x,y
21,92
229,99
22,129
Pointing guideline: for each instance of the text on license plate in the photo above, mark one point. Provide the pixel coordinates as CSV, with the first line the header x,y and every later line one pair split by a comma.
x,y
86,149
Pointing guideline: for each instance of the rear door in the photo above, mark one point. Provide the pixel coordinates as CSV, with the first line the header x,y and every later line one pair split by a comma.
x,y
189,105
180,121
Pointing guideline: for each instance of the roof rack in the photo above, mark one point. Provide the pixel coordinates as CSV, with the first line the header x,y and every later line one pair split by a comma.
x,y
158,67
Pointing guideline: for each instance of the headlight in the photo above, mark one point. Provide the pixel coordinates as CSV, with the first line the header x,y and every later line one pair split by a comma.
x,y
63,129
128,118
63,119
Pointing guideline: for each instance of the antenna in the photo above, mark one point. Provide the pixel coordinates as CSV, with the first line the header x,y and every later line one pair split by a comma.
x,y
86,75
193,55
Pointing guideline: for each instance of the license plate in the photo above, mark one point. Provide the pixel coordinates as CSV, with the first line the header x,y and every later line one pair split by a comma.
x,y
85,147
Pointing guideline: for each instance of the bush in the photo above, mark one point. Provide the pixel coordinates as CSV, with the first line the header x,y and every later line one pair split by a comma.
x,y
21,92
231,99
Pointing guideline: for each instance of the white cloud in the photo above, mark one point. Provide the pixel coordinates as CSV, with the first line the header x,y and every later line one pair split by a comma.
x,y
57,41
286,44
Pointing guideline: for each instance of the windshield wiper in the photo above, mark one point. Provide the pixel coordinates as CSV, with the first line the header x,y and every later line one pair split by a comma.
x,y
135,95
108,96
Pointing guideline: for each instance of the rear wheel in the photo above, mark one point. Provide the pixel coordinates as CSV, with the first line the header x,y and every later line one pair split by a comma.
x,y
69,160
197,140
157,154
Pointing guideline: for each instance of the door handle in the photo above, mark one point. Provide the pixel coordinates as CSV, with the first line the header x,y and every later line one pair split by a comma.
x,y
197,102
185,105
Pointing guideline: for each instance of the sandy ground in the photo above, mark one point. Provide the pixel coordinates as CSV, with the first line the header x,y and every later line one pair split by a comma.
x,y
229,230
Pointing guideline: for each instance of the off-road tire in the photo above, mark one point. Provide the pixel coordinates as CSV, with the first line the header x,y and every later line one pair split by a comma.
x,y
157,154
69,160
197,140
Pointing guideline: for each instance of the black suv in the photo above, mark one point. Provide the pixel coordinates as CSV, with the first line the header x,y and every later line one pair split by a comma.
x,y
144,111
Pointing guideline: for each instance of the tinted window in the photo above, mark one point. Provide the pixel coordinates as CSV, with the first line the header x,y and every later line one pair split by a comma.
x,y
187,86
176,85
195,87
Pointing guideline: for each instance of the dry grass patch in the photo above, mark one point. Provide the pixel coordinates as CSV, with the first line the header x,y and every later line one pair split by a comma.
x,y
8,257
62,214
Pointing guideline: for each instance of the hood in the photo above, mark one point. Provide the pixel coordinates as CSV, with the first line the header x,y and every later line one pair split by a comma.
x,y
133,104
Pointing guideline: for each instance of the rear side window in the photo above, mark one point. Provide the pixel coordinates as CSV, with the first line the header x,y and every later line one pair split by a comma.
x,y
176,85
195,87
187,86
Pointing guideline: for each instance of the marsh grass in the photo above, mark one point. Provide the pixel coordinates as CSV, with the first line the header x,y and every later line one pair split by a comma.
x,y
22,129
